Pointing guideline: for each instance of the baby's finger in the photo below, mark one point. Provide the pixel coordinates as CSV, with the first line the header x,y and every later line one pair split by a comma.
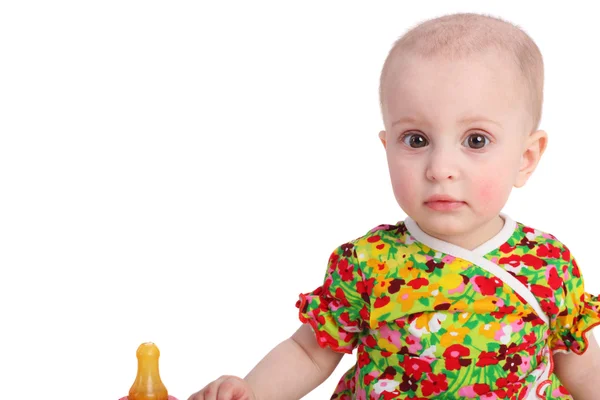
x,y
201,395
211,390
233,389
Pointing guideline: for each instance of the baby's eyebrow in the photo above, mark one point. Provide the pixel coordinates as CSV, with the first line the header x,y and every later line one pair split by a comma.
x,y
477,118
465,120
405,120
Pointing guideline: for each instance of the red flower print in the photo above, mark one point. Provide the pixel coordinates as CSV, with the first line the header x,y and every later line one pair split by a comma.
x,y
408,383
548,251
566,254
365,287
415,367
389,395
437,384
453,356
364,314
502,352
382,302
341,296
487,358
417,283
432,265
363,359
481,388
553,279
487,286
347,249
575,270
367,379
513,260
326,339
333,259
512,363
370,341
345,318
541,291
395,285
389,373
506,248
530,338
374,239
549,307
527,243
502,311
317,316
345,270
533,261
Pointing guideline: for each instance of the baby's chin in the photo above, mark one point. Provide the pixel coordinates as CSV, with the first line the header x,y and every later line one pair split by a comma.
x,y
443,226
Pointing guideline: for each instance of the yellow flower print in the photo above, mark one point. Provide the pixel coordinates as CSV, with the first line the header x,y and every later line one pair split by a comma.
x,y
458,265
459,306
407,297
375,246
464,317
451,281
454,335
381,285
490,330
378,312
427,323
384,344
408,272
379,267
485,305
404,252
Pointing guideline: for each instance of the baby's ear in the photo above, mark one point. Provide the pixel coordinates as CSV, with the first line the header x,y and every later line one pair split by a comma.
x,y
382,138
534,148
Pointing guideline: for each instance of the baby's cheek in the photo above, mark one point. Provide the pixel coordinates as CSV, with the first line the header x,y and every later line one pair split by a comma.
x,y
491,193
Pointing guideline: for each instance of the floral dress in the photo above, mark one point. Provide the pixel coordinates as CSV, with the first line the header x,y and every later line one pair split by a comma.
x,y
432,320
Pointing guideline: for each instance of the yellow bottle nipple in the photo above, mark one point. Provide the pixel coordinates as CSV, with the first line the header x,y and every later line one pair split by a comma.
x,y
147,385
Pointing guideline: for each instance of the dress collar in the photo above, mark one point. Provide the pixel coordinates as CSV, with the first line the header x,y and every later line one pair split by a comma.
x,y
498,240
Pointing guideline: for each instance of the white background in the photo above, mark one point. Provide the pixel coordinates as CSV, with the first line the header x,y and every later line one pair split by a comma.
x,y
179,171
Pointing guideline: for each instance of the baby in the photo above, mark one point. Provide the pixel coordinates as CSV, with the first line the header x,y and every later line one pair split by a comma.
x,y
458,301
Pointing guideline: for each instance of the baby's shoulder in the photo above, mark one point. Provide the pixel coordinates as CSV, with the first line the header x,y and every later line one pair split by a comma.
x,y
541,245
538,238
380,239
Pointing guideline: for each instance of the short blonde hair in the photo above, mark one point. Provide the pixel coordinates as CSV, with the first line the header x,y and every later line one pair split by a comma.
x,y
460,35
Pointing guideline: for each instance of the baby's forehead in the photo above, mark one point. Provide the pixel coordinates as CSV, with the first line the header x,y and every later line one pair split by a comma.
x,y
464,36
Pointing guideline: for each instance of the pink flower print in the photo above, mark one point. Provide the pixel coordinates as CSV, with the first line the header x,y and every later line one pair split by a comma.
x,y
525,364
385,385
468,392
361,394
392,336
448,259
459,289
414,344
517,326
489,396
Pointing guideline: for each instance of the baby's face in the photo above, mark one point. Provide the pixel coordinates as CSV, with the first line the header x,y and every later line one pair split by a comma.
x,y
454,128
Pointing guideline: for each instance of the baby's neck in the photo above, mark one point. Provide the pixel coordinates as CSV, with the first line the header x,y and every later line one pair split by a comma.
x,y
474,239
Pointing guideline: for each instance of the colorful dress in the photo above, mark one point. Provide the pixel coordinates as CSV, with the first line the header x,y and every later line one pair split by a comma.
x,y
432,320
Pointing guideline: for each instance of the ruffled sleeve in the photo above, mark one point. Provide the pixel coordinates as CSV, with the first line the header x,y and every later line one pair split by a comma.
x,y
338,309
578,311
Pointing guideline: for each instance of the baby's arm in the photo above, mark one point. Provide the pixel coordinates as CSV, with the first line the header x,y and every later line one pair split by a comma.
x,y
291,370
580,373
294,368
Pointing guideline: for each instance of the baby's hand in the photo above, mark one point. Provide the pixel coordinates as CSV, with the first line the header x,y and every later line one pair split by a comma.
x,y
225,388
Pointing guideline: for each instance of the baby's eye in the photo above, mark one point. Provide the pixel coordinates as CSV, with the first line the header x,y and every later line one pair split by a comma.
x,y
414,140
476,141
